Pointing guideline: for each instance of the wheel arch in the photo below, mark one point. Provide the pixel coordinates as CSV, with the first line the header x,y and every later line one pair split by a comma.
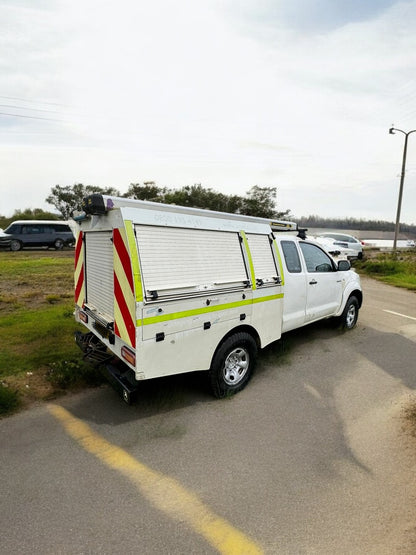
x,y
243,328
358,295
347,295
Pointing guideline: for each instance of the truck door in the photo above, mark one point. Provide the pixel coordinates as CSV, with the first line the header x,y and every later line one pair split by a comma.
x,y
324,285
294,302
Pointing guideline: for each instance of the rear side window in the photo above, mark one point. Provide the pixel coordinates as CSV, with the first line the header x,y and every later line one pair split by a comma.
x,y
290,252
32,229
61,228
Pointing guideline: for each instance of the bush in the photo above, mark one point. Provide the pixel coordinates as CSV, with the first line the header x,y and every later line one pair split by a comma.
x,y
397,269
9,399
71,373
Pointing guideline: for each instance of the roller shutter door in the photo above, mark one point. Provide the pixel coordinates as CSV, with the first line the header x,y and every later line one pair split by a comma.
x,y
262,255
99,272
181,260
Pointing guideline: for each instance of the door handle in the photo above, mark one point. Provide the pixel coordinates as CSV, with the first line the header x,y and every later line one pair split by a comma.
x,y
313,282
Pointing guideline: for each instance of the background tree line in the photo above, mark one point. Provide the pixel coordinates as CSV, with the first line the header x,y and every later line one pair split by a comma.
x,y
353,224
258,201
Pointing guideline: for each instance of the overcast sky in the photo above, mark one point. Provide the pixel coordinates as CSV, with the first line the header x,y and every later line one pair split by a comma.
x,y
297,95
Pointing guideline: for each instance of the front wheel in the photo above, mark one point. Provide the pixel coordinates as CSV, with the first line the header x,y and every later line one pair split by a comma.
x,y
59,244
15,245
233,364
349,317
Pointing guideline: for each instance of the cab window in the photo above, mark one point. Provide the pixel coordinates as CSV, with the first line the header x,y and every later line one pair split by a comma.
x,y
316,259
14,228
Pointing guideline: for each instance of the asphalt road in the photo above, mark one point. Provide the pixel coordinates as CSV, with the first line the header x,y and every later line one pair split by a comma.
x,y
313,457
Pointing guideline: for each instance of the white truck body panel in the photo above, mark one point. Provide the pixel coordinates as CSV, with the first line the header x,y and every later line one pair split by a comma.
x,y
167,284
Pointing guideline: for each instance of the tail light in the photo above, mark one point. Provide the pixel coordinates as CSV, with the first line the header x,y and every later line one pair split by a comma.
x,y
128,355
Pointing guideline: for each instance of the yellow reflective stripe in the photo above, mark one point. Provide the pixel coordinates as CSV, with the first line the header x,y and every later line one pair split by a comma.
x,y
204,310
250,260
121,325
279,258
135,263
78,271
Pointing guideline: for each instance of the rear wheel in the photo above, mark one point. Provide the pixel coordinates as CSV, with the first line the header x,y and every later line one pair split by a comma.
x,y
15,245
350,315
233,364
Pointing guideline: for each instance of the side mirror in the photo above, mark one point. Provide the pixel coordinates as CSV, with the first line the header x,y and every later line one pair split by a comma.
x,y
344,265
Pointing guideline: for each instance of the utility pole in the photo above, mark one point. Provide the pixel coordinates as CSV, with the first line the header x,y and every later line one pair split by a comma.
x,y
392,131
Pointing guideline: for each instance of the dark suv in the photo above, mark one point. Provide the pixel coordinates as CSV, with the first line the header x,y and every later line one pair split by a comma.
x,y
39,233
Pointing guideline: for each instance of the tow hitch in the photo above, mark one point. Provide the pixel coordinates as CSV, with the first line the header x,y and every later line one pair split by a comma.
x,y
117,373
94,350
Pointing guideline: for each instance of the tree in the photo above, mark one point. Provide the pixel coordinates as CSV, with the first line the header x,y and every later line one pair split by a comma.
x,y
28,214
261,201
69,198
201,197
148,191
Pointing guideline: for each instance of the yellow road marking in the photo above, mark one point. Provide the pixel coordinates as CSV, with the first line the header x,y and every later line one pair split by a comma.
x,y
165,493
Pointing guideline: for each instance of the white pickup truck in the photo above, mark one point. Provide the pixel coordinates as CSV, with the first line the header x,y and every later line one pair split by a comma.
x,y
165,290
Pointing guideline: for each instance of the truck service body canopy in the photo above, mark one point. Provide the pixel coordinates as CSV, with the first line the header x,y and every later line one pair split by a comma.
x,y
162,285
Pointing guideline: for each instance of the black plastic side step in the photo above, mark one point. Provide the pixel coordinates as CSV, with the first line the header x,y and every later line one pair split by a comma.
x,y
119,379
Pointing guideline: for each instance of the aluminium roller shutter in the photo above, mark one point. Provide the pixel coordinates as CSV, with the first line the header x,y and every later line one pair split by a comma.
x,y
185,261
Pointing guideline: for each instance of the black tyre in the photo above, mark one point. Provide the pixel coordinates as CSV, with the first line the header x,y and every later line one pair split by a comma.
x,y
15,245
233,364
59,244
349,317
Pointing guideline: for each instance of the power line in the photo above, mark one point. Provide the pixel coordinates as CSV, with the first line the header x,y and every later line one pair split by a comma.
x,y
31,117
27,108
31,101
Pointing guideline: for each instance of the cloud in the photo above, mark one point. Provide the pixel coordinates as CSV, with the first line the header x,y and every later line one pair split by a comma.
x,y
231,94
310,16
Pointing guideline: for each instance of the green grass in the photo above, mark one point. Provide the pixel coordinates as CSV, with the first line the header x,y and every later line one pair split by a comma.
x,y
26,265
398,269
35,338
38,357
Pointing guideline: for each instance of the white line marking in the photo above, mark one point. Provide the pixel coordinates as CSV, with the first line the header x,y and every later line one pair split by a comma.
x,y
398,314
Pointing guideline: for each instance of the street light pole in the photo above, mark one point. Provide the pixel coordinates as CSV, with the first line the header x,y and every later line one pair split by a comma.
x,y
399,204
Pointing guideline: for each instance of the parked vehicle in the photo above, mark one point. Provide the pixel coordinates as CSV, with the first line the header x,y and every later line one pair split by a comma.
x,y
39,233
336,249
349,241
164,289
5,240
